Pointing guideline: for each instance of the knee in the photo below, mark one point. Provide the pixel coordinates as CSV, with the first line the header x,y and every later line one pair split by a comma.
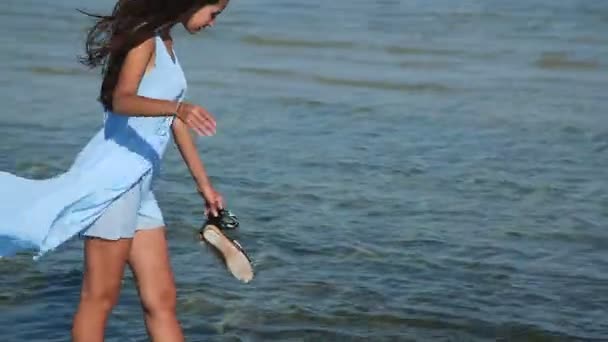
x,y
161,302
101,300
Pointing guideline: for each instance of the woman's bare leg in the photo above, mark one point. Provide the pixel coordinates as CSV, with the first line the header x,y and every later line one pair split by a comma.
x,y
104,267
149,260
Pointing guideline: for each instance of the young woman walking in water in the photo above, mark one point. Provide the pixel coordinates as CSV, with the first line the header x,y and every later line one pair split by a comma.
x,y
106,195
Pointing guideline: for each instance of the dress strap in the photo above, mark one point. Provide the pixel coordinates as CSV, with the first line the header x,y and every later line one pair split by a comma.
x,y
161,49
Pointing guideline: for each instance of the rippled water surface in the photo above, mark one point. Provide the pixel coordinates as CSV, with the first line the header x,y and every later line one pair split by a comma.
x,y
403,170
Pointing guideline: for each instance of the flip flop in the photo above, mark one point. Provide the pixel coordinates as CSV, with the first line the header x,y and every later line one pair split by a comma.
x,y
229,250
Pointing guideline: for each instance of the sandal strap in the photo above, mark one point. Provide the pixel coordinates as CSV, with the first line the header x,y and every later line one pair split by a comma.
x,y
240,248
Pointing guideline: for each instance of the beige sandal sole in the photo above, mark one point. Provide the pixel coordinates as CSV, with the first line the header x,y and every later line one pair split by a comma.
x,y
236,262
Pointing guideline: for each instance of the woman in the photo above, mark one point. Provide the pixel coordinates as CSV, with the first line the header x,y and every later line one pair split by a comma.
x,y
106,195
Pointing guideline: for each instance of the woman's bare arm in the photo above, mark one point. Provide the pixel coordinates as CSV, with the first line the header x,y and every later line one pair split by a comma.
x,y
125,100
213,199
189,153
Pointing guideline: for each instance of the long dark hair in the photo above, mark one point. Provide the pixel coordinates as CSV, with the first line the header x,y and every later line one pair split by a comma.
x,y
131,23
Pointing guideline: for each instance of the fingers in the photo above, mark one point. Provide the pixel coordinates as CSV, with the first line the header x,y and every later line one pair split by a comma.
x,y
200,124
193,123
219,200
213,209
210,209
208,117
203,122
214,205
199,119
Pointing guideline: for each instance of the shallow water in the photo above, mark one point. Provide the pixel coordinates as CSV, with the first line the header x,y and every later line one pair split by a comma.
x,y
403,170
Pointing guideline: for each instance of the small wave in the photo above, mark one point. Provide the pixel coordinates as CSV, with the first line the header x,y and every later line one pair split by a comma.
x,y
589,40
383,85
300,101
43,70
37,170
601,142
208,83
424,64
286,42
268,72
561,61
400,50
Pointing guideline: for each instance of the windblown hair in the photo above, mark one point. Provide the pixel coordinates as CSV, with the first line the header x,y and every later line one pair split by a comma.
x,y
130,24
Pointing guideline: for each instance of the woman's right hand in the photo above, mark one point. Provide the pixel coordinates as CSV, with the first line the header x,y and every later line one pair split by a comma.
x,y
197,118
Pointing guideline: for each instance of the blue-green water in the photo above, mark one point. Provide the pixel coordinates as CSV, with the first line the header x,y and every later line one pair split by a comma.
x,y
403,170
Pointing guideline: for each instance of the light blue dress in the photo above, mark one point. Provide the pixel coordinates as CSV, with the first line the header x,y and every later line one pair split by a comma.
x,y
124,154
